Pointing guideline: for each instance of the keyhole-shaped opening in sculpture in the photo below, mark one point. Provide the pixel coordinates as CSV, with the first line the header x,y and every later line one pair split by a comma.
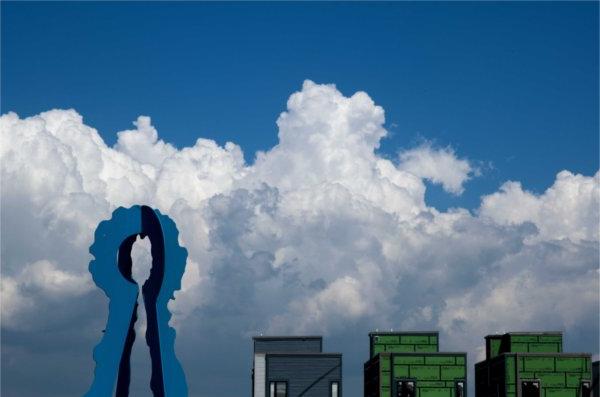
x,y
141,367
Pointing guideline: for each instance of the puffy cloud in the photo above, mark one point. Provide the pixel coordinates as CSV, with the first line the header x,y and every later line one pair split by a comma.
x,y
319,235
326,138
195,174
553,286
341,298
438,166
142,144
569,209
20,293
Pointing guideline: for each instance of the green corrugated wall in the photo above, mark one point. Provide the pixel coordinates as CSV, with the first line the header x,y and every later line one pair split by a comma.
x,y
534,343
558,376
404,344
435,374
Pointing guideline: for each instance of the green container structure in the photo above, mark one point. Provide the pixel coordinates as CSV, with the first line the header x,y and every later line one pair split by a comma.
x,y
596,379
532,364
409,364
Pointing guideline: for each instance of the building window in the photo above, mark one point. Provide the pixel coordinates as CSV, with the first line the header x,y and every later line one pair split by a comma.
x,y
530,388
278,389
586,389
405,388
459,389
335,387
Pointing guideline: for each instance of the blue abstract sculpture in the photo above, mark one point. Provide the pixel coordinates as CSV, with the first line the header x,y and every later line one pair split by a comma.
x,y
111,271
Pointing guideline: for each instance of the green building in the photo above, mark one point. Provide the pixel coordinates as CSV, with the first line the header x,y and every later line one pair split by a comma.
x,y
596,379
409,364
532,364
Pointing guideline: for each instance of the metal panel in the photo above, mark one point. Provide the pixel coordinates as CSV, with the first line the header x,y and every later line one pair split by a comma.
x,y
288,345
259,375
308,375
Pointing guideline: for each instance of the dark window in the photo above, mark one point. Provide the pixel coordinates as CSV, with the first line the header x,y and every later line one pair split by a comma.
x,y
459,389
335,389
278,389
405,388
586,389
530,388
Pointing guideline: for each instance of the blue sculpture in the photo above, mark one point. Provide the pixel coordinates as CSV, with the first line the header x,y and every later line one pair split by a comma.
x,y
111,271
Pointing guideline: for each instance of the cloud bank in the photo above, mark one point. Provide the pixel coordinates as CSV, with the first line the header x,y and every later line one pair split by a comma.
x,y
319,235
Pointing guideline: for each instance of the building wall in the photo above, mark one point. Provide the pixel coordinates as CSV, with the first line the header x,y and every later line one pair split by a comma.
x,y
531,343
523,342
288,345
596,378
372,376
435,373
493,344
560,375
259,373
307,375
420,342
490,378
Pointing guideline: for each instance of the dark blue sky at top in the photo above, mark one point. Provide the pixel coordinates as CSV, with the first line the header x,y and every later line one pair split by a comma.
x,y
511,86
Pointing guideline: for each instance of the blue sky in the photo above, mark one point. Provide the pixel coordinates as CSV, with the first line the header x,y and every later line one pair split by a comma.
x,y
319,235
513,87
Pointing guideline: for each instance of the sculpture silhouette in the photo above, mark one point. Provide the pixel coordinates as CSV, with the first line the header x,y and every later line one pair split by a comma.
x,y
111,270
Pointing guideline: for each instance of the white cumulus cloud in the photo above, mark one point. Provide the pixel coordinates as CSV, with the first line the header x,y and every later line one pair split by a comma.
x,y
319,235
440,166
568,209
